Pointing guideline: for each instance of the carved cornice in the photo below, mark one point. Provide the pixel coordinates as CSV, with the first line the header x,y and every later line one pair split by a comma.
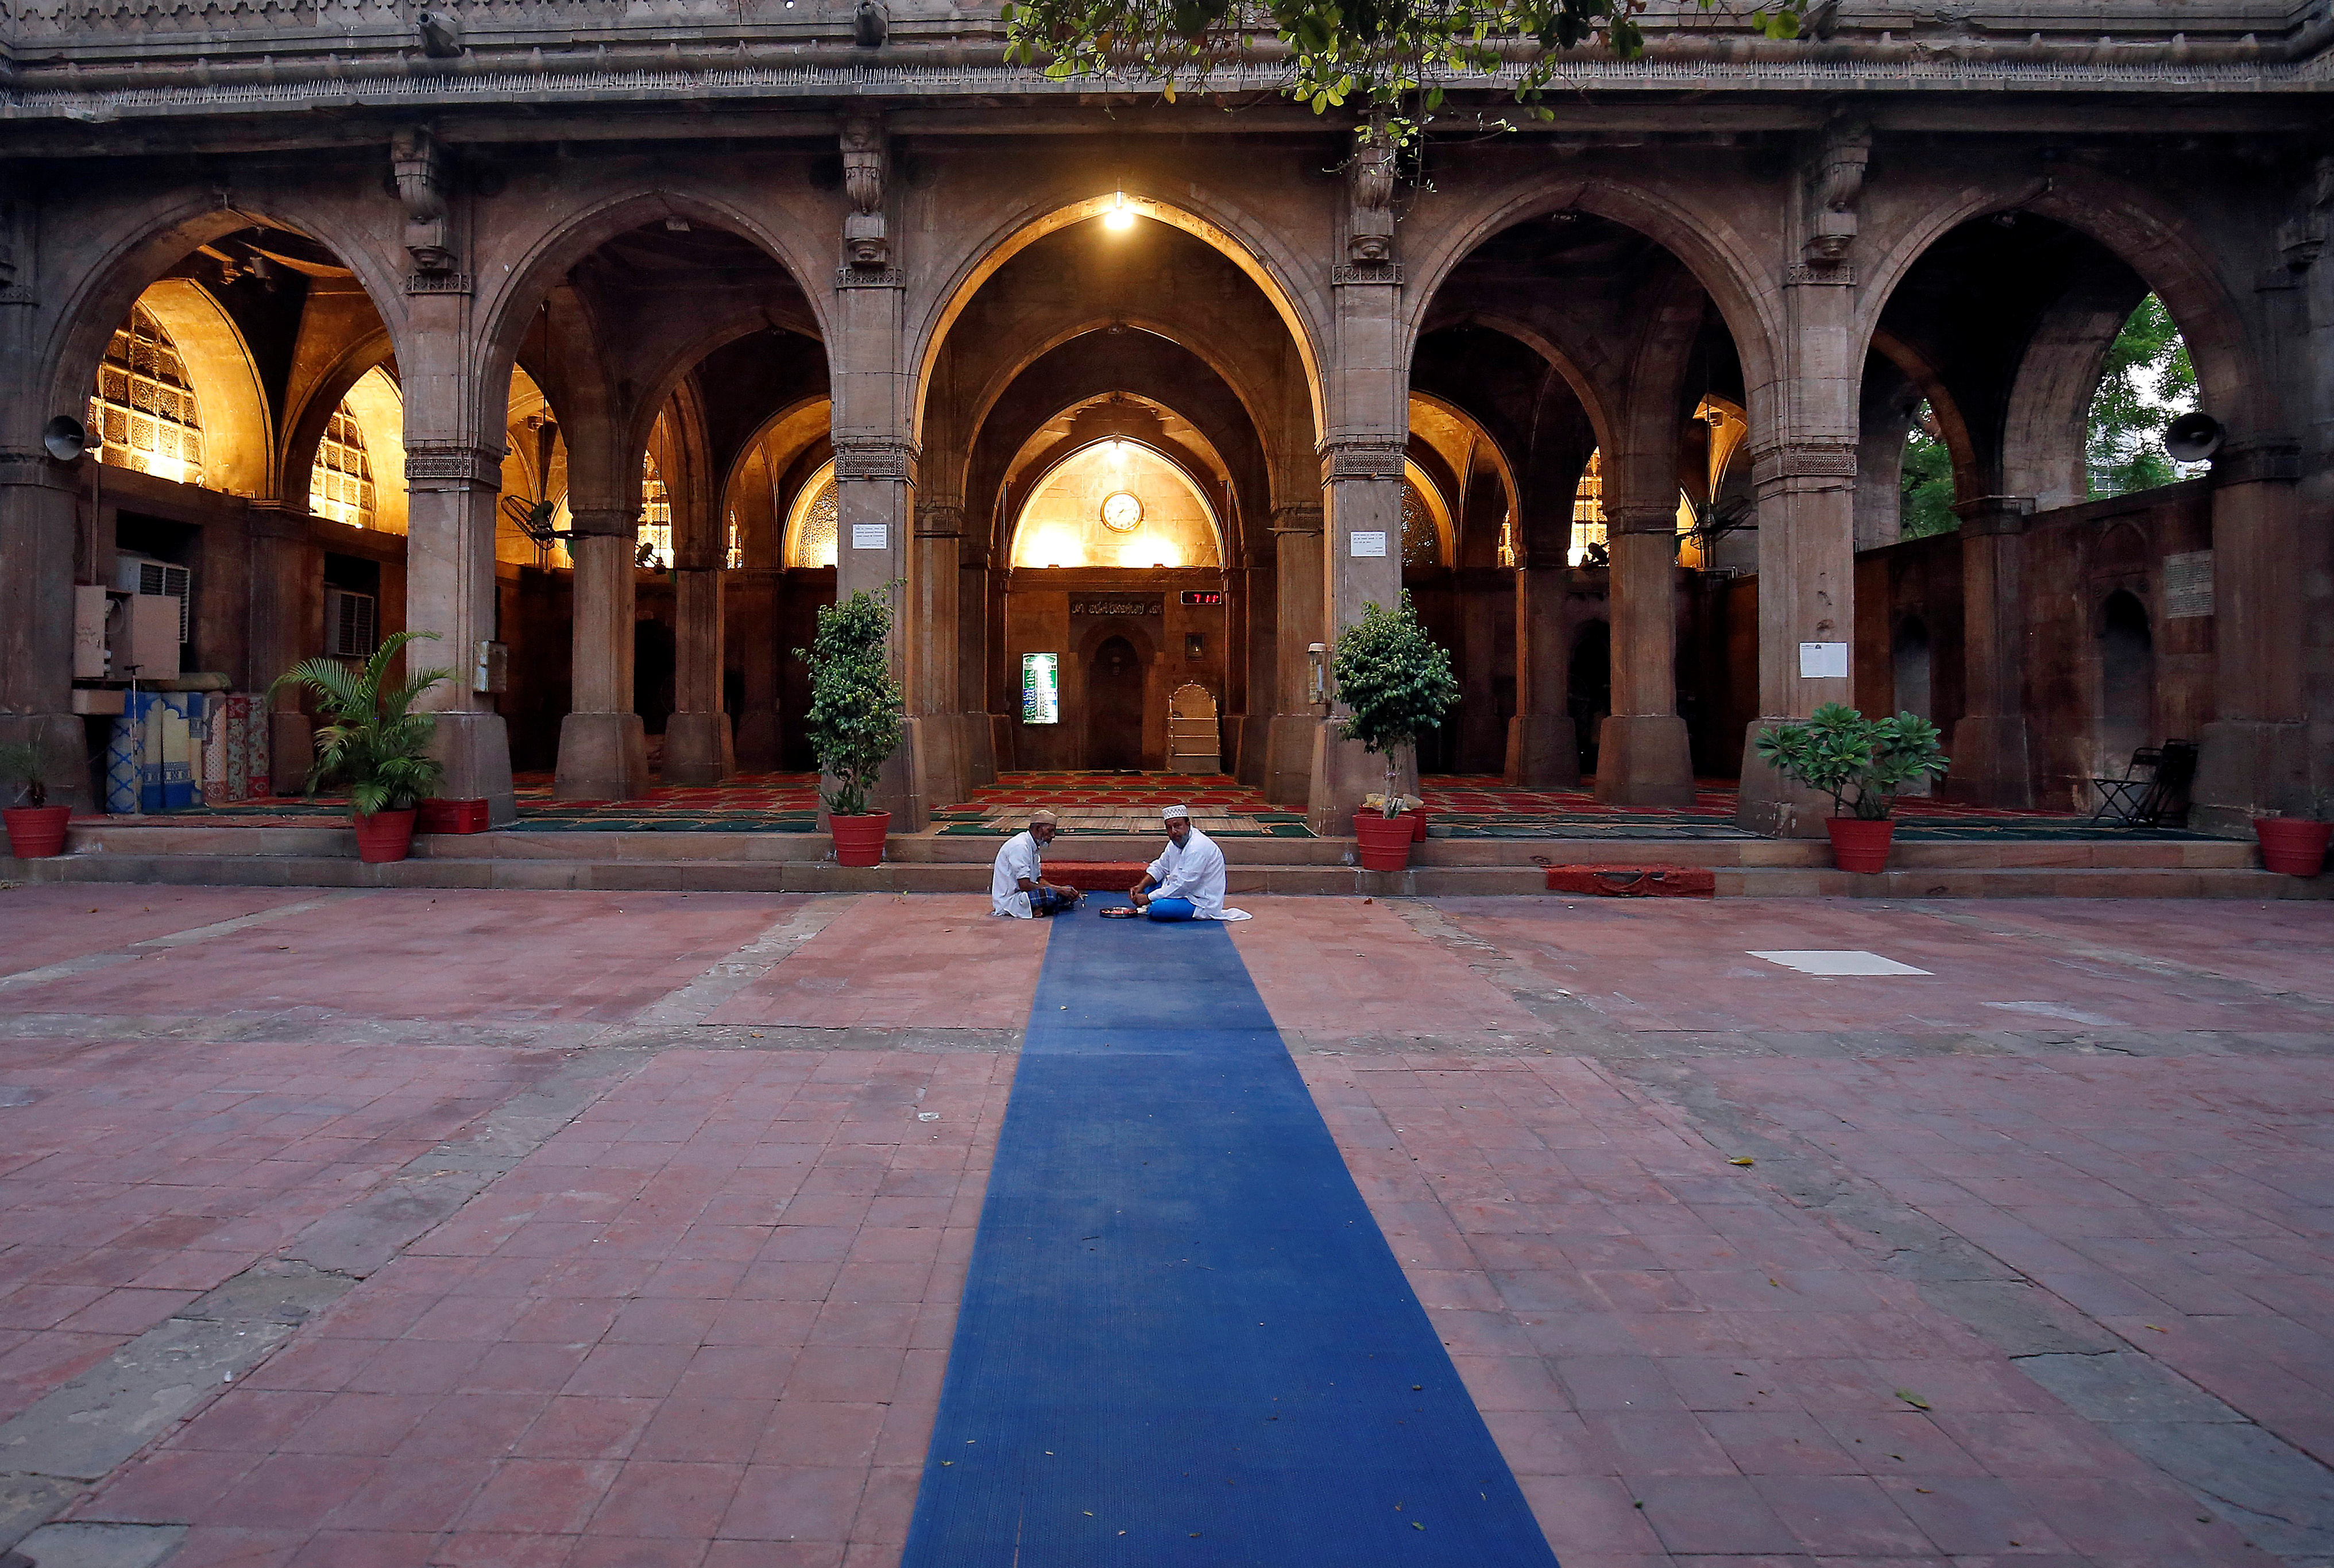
x,y
1297,518
1984,516
1640,517
1836,273
860,277
442,463
606,523
1809,459
874,458
939,520
37,467
438,283
1348,272
1362,457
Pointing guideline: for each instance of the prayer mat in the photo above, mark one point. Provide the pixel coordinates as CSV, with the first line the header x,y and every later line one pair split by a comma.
x,y
1182,1337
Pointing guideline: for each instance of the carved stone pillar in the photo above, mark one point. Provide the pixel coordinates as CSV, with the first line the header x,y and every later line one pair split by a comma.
x,y
286,586
1991,766
934,648
1642,755
697,747
1807,615
449,590
1257,606
1543,752
38,519
1298,626
2254,756
750,601
602,748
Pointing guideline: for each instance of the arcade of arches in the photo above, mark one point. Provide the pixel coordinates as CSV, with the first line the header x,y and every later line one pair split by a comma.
x,y
1637,458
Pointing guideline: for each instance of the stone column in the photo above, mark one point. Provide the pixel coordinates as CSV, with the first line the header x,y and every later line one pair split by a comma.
x,y
753,594
977,754
286,576
935,649
1543,752
449,590
1363,476
1480,591
39,501
1258,607
697,747
1989,749
602,748
1807,613
1643,757
1298,623
2254,756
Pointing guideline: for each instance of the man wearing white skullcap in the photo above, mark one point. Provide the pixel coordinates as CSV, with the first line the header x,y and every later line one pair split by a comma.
x,y
1016,886
1187,881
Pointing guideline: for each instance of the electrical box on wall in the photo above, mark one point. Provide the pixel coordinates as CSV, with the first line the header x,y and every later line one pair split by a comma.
x,y
143,631
89,633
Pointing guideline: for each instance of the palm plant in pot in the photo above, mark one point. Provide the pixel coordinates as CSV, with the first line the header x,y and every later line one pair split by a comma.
x,y
2296,845
373,742
36,829
1397,682
1861,763
856,713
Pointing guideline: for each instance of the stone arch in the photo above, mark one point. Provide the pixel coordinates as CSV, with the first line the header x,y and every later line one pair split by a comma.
x,y
2048,418
545,259
1245,245
228,389
86,319
304,426
1591,398
1194,483
1705,245
2139,229
1960,441
797,411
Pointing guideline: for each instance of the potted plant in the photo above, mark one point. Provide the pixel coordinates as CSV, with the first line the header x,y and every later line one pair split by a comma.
x,y
1398,684
1860,763
2296,845
856,713
373,742
36,829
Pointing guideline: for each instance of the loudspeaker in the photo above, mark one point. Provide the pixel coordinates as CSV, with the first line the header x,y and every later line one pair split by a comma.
x,y
64,439
2193,438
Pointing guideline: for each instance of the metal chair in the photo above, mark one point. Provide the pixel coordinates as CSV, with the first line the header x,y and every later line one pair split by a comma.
x,y
2154,790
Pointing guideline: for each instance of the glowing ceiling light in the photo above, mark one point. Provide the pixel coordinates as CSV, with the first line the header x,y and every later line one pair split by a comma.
x,y
1120,215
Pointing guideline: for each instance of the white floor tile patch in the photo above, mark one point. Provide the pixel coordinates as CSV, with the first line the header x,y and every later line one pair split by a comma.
x,y
1837,961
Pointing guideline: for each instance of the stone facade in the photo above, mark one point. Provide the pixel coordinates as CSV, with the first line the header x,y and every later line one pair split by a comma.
x,y
740,240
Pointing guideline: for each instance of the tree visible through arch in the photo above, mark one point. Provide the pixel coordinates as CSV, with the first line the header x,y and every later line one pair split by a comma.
x,y
2147,382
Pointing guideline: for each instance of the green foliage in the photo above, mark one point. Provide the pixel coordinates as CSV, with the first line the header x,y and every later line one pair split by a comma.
x,y
1859,762
372,742
1927,484
1391,60
20,769
2147,383
1397,681
855,707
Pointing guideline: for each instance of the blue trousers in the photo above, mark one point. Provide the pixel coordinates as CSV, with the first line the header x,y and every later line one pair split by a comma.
x,y
1168,909
1045,900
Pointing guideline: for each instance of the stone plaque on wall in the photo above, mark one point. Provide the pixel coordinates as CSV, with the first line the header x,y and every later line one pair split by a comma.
x,y
2188,585
1123,605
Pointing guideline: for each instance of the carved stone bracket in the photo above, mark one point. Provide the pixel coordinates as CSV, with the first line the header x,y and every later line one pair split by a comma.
x,y
37,467
1640,517
449,463
874,458
2302,237
425,185
1369,225
1297,518
939,520
1363,458
1378,272
1834,188
2269,460
606,523
1989,515
866,248
1803,461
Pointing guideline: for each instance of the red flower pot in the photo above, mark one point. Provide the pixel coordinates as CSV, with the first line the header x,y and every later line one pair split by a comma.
x,y
2289,846
1857,845
1385,840
37,832
384,837
859,840
1418,824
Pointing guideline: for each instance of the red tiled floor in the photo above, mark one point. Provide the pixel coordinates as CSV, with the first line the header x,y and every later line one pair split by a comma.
x,y
501,1394
1342,964
45,923
902,962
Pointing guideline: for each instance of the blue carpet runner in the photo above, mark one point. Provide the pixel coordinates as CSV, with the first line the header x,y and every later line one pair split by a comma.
x,y
1183,1339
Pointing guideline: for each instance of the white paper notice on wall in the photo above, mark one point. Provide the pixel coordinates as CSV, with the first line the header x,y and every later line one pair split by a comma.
x,y
1368,544
871,536
2188,585
1823,661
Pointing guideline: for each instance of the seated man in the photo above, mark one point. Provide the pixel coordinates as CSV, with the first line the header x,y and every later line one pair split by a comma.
x,y
1015,889
1187,881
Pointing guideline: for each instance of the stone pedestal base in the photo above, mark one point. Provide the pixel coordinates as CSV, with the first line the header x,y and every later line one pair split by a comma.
x,y
2246,768
756,745
1254,760
476,750
291,751
895,789
977,744
601,757
1289,765
1343,772
1000,742
1990,765
697,749
1543,752
64,742
1772,805
937,772
1644,760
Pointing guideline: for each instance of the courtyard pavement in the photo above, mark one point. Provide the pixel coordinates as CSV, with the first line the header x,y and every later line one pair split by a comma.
x,y
585,1229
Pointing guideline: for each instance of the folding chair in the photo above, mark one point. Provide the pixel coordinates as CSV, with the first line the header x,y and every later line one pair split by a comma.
x,y
2154,787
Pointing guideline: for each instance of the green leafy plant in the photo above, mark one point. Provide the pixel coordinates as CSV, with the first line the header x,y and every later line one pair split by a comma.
x,y
1861,763
855,706
371,741
19,768
2147,382
1393,60
1397,681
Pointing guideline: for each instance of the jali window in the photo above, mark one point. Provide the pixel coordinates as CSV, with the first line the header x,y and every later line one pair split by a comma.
x,y
656,516
340,483
144,404
1589,513
811,529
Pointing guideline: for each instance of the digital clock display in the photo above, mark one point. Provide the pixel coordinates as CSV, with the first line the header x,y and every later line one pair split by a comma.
x,y
1204,596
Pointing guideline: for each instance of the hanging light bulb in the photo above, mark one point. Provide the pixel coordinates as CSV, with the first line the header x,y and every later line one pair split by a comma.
x,y
1119,216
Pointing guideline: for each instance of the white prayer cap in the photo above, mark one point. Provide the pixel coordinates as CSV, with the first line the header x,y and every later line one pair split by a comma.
x,y
1174,811
1043,819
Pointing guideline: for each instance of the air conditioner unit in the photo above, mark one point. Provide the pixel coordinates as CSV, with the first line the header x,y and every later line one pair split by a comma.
x,y
145,574
351,624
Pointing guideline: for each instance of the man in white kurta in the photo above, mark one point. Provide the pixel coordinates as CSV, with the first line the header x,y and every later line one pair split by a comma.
x,y
1017,887
1187,881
